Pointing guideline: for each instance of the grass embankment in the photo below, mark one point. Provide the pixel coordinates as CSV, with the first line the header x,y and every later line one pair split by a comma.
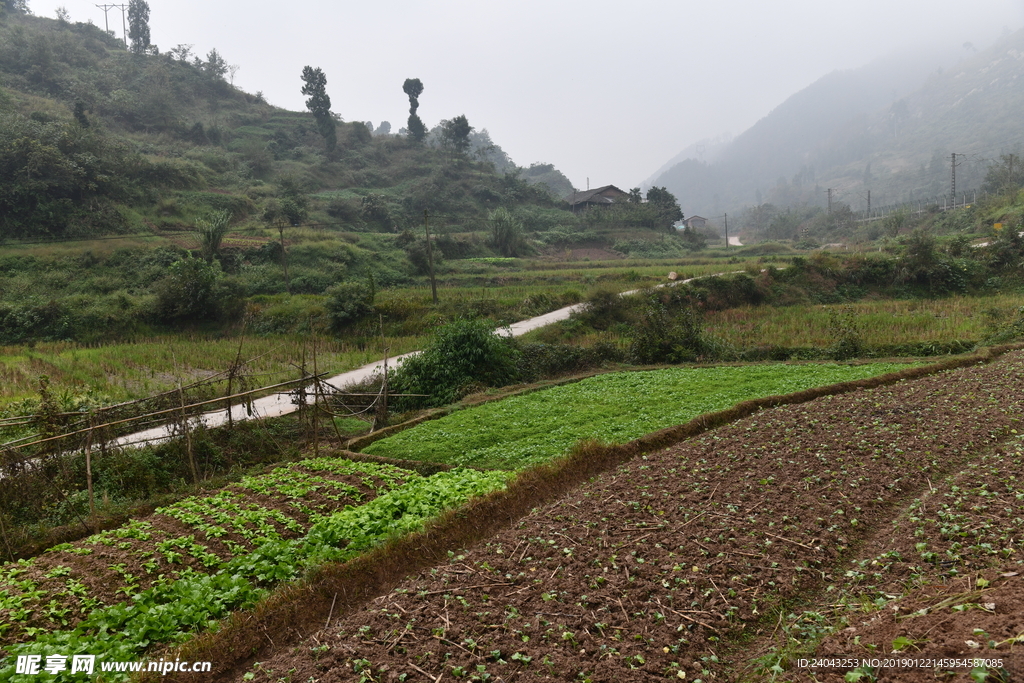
x,y
615,408
198,559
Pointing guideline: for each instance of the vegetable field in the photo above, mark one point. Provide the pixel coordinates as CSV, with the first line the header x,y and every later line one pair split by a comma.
x,y
863,523
161,579
614,408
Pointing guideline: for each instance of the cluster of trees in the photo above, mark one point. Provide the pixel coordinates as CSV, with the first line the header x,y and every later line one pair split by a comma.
x,y
60,177
13,7
1005,175
660,211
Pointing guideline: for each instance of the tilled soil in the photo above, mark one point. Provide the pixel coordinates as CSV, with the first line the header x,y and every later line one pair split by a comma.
x,y
945,631
958,547
662,568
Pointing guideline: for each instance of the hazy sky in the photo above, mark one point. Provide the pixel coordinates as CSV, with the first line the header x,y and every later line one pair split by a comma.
x,y
605,90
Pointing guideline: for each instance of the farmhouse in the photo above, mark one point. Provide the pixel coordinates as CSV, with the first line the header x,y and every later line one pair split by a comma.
x,y
601,196
694,222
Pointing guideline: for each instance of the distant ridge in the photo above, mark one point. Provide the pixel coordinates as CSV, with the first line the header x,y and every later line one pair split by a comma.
x,y
889,126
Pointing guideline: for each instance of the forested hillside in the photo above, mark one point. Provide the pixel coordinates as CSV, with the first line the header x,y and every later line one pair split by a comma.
x,y
96,138
889,127
191,203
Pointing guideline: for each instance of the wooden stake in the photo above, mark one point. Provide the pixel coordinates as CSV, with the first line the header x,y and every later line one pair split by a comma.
x,y
88,467
184,425
430,258
316,400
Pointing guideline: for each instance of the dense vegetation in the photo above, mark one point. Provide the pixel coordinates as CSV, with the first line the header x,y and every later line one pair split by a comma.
x,y
671,324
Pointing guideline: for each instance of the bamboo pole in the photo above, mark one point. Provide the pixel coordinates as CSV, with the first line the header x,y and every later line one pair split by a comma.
x,y
184,426
88,468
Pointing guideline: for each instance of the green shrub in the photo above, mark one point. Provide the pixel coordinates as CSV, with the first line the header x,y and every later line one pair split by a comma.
x,y
187,293
461,356
664,336
347,304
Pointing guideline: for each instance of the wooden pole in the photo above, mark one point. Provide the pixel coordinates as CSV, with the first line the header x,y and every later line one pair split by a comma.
x,y
430,258
231,375
184,426
88,467
316,400
384,394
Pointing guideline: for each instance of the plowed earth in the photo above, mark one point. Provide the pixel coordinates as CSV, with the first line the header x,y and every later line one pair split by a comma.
x,y
684,564
961,542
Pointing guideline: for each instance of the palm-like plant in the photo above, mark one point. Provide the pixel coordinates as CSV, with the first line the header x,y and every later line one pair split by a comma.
x,y
210,233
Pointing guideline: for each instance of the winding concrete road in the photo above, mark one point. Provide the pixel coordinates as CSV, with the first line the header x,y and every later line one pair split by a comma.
x,y
280,404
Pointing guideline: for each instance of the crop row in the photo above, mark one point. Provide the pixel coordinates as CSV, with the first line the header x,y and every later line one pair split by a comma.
x,y
615,408
657,570
961,528
195,561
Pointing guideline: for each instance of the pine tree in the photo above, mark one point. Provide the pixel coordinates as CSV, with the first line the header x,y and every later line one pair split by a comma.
x,y
319,103
138,25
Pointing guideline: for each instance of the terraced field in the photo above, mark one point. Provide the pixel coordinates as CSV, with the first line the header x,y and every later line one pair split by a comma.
x,y
159,580
613,408
730,555
801,528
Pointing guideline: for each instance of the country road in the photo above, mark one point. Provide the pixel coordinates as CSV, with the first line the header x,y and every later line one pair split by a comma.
x,y
280,404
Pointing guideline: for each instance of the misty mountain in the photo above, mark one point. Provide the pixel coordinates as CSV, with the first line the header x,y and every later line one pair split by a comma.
x,y
889,127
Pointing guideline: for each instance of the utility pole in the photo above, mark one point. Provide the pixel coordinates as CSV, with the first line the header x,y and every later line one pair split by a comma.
x,y
830,201
124,25
106,23
284,259
869,203
952,180
726,231
430,258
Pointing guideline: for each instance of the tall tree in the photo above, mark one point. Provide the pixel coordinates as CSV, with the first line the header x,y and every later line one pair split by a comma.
x,y
414,88
455,133
319,103
667,206
138,25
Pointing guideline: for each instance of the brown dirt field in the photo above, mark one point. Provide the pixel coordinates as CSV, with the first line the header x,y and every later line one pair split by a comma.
x,y
684,563
956,554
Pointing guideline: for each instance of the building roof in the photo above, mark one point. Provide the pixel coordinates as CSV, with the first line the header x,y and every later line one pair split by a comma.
x,y
609,194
